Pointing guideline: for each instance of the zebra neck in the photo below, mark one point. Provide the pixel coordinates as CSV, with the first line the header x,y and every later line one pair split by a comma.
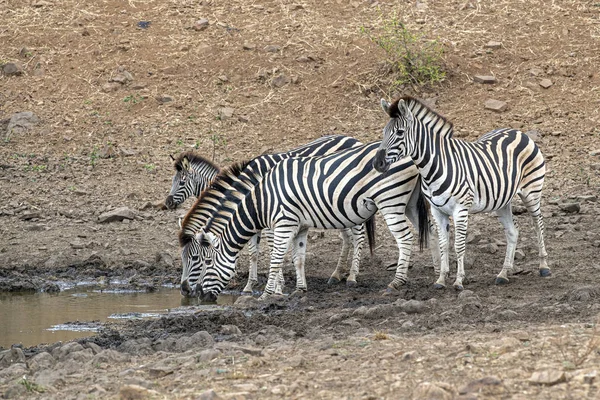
x,y
237,225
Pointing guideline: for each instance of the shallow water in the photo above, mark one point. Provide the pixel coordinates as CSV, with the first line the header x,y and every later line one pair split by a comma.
x,y
35,318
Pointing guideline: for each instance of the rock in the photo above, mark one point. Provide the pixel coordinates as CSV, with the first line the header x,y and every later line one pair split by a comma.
x,y
595,153
201,24
122,78
21,122
434,391
489,79
545,83
493,45
118,214
136,392
465,294
14,391
272,48
110,357
49,377
95,348
28,215
13,69
11,356
495,105
164,98
43,360
230,330
296,361
226,113
280,81
110,87
491,248
519,254
164,260
13,371
249,46
198,339
547,377
413,307
534,135
508,315
570,207
137,346
60,353
488,386
107,151
208,395
208,355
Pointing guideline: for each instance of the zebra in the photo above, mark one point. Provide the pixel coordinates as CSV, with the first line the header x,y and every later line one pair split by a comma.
x,y
459,177
189,164
334,191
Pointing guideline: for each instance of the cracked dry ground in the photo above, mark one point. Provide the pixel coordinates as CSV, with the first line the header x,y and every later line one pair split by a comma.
x,y
114,100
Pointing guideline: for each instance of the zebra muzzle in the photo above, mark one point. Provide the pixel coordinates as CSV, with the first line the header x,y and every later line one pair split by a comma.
x,y
379,161
170,203
186,289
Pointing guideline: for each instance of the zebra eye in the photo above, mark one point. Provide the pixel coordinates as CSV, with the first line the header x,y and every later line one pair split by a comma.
x,y
208,262
195,258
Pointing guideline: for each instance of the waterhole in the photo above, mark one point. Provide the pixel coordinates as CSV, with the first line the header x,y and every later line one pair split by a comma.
x,y
35,318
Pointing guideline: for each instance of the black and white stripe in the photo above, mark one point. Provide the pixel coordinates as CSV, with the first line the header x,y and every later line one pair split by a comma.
x,y
460,177
337,191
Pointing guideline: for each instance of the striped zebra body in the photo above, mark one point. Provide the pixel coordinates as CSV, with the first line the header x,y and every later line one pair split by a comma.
x,y
460,178
337,191
259,166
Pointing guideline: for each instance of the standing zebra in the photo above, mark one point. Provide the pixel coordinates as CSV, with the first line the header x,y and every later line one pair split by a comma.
x,y
336,191
194,174
460,177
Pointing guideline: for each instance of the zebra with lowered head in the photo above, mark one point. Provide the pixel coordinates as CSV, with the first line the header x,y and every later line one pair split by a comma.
x,y
336,191
194,174
461,178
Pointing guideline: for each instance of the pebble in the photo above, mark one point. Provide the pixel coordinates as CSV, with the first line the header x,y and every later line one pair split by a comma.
x,y
230,330
570,207
208,355
495,105
118,214
136,392
493,45
201,24
488,386
11,356
546,83
164,98
490,248
434,391
280,81
413,307
519,254
487,79
272,48
21,122
208,395
13,69
547,377
226,113
111,87
249,46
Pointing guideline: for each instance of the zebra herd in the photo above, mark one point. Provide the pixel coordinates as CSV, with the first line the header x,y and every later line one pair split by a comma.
x,y
336,182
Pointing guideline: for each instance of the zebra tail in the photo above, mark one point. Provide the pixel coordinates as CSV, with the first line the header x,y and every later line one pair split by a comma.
x,y
370,227
423,210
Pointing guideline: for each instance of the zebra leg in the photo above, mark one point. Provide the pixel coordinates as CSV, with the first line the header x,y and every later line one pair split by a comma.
x,y
253,247
461,220
342,265
433,240
282,238
442,222
512,235
299,258
398,226
280,284
532,201
358,239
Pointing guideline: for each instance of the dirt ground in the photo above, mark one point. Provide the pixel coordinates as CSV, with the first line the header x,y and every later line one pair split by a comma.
x,y
115,98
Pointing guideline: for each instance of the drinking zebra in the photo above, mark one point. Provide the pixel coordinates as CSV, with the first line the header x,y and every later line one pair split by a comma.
x,y
460,177
335,191
194,174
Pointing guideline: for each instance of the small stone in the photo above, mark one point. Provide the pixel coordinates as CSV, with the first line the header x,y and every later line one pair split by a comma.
x,y
495,105
11,356
519,254
534,135
570,207
493,45
488,386
272,48
508,315
536,72
13,69
29,215
223,78
77,245
122,77
165,260
226,113
230,330
280,81
201,24
21,122
249,46
164,98
466,293
118,214
208,355
590,377
413,307
491,248
136,392
434,391
547,377
595,153
107,151
545,83
484,79
111,87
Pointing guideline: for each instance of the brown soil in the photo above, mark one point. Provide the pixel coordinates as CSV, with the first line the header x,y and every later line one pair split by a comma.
x,y
101,147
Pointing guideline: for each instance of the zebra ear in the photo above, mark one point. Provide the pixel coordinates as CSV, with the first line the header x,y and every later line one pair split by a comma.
x,y
404,111
386,106
172,158
212,239
185,164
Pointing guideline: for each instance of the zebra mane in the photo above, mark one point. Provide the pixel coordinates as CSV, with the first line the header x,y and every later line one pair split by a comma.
x,y
224,189
193,158
421,111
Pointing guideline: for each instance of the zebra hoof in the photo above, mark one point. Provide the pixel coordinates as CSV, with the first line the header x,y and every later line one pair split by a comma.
x,y
544,273
439,286
501,281
297,293
458,287
389,291
333,281
351,283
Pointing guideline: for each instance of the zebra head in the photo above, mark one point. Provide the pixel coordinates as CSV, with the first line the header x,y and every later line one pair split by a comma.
x,y
394,143
184,184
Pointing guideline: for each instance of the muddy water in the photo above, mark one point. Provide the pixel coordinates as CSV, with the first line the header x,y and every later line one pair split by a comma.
x,y
34,318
